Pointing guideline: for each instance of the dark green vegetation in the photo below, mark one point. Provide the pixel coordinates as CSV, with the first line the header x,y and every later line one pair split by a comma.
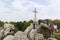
x,y
46,32
22,25
58,37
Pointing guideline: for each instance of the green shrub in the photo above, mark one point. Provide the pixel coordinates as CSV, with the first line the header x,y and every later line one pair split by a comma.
x,y
46,32
58,37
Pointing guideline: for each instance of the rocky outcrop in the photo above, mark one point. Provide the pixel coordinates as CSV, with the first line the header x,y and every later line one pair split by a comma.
x,y
39,36
52,38
29,34
9,37
20,36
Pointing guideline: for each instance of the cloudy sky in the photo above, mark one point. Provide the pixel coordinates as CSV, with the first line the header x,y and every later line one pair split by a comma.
x,y
20,10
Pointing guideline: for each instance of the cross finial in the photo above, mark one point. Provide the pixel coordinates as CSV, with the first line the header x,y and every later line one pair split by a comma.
x,y
35,11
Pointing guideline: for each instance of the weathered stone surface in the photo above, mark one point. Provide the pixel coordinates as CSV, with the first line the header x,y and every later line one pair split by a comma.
x,y
9,37
20,36
44,25
29,28
23,35
52,38
30,31
1,33
39,36
8,25
7,28
33,33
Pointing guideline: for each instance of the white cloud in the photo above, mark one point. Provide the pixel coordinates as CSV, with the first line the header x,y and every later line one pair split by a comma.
x,y
20,10
54,10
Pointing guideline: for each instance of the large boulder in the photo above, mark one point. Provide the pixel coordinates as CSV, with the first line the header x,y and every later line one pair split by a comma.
x,y
9,37
52,38
39,36
8,25
20,36
29,28
32,34
7,28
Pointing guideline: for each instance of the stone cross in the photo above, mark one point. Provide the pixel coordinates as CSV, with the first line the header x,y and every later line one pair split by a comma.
x,y
35,19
